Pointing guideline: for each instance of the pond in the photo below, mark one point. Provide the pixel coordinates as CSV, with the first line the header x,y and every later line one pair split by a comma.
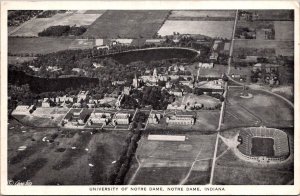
x,y
38,84
153,54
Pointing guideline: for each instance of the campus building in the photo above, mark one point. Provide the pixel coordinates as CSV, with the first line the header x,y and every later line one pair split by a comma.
x,y
100,118
181,119
121,119
154,118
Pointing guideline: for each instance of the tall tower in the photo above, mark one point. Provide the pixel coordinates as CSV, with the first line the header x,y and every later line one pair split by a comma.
x,y
155,73
135,82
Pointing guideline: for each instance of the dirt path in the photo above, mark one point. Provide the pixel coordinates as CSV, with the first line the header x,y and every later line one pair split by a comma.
x,y
136,171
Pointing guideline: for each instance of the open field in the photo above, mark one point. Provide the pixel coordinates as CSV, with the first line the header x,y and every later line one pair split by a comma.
x,y
127,24
169,162
284,30
262,109
201,14
36,25
66,159
40,45
208,28
191,98
285,48
42,121
160,175
284,15
44,45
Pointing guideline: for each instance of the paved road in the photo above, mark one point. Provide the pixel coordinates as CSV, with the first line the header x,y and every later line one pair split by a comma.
x,y
223,103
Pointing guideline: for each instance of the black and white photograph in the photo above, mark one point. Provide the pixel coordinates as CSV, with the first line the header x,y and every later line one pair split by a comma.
x,y
187,98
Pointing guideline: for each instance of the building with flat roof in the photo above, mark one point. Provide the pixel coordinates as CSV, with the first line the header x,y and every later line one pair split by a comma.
x,y
175,138
100,118
181,119
121,119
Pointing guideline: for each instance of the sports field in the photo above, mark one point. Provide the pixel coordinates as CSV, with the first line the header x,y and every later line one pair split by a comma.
x,y
127,24
172,162
213,29
262,146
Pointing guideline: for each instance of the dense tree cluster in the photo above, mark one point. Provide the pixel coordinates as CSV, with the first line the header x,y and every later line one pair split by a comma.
x,y
62,30
49,13
17,17
154,96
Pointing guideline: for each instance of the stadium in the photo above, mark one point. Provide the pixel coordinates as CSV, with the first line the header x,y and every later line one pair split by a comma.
x,y
263,145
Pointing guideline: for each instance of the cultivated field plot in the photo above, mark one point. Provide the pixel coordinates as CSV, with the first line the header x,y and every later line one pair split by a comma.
x,y
172,159
284,15
202,14
36,25
284,30
230,170
71,158
221,29
285,48
127,24
262,109
38,45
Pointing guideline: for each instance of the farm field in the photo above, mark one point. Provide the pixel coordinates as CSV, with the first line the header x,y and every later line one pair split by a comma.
x,y
202,13
263,109
40,45
221,29
169,162
36,25
284,15
230,170
285,48
127,24
44,45
70,152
